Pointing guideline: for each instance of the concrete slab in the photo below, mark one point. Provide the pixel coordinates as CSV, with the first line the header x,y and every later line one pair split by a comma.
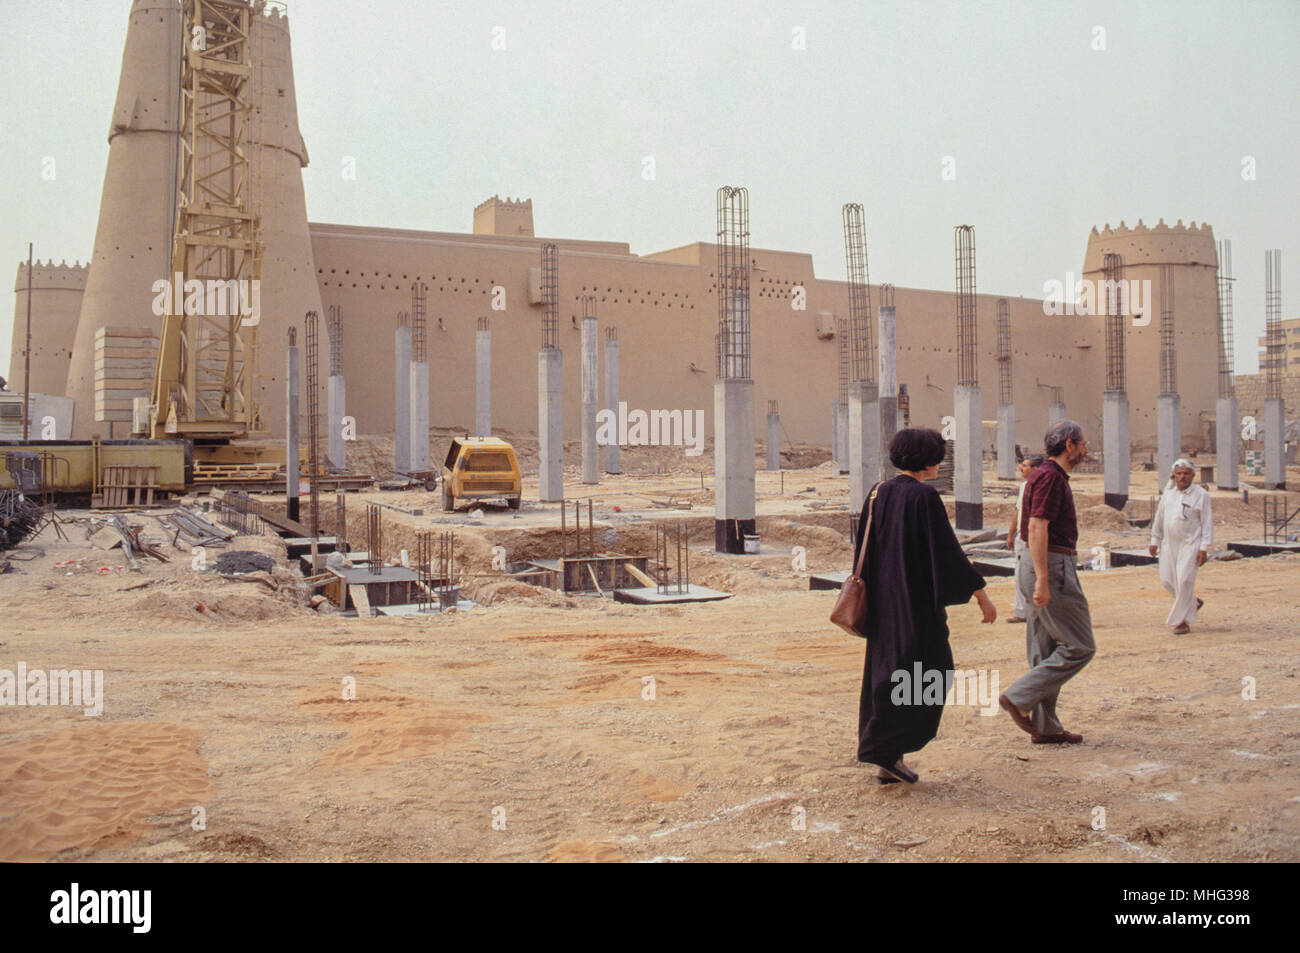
x,y
994,565
1131,557
415,609
653,597
361,576
827,580
1261,547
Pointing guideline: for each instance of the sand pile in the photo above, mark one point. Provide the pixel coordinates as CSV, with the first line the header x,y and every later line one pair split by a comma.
x,y
124,774
1102,517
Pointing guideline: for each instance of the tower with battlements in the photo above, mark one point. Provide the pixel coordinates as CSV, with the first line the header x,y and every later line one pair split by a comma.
x,y
133,240
1190,253
498,216
56,304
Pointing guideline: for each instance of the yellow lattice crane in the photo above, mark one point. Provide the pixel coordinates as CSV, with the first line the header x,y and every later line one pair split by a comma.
x,y
205,383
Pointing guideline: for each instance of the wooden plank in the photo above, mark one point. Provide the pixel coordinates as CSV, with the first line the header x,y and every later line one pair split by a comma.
x,y
639,576
361,599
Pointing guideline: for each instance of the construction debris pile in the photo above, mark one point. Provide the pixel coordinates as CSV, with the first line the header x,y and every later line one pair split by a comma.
x,y
20,518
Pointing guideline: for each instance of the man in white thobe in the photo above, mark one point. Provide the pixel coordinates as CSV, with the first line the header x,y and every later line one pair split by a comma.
x,y
1025,467
1182,532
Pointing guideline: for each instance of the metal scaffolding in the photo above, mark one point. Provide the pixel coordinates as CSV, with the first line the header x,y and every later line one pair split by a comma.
x,y
1113,288
843,335
732,342
419,347
673,556
341,521
964,252
1274,353
206,380
550,295
374,539
1004,351
335,325
311,324
435,568
861,323
1168,351
1224,279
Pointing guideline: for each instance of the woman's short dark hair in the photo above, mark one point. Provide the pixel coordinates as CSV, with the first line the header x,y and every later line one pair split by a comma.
x,y
915,449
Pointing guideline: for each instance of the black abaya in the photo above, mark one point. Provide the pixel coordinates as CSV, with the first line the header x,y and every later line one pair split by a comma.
x,y
914,568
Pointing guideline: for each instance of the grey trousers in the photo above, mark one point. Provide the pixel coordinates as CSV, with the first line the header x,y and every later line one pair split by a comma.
x,y
1058,637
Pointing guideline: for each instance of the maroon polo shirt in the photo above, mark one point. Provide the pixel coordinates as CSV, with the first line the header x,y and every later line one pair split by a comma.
x,y
1047,494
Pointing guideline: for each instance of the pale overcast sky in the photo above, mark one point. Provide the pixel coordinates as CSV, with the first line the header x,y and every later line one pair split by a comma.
x,y
1049,136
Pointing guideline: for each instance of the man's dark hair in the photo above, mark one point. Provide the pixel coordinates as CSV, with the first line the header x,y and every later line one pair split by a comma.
x,y
915,449
1035,460
1058,434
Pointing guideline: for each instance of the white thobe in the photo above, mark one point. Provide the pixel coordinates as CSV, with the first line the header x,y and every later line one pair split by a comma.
x,y
1021,550
1183,526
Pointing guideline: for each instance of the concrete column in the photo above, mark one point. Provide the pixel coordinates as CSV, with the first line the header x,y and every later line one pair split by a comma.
x,y
611,401
419,416
483,382
550,425
590,400
733,464
1006,441
835,434
1169,433
402,401
890,420
968,463
1115,447
291,432
1055,414
844,438
1227,447
336,402
864,441
774,441
1274,433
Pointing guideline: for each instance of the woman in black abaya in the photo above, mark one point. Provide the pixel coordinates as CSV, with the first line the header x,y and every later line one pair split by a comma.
x,y
914,567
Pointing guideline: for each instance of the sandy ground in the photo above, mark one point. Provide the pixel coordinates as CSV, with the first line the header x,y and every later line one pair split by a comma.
x,y
525,730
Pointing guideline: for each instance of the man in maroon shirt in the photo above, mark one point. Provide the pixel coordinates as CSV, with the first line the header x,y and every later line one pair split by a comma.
x,y
1058,624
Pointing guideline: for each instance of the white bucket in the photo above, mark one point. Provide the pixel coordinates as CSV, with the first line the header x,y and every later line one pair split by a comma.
x,y
751,544
1101,556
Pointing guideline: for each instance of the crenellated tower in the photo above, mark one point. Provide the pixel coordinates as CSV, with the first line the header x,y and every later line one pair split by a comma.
x,y
1189,253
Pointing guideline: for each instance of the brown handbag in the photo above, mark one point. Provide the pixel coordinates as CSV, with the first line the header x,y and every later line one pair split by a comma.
x,y
850,612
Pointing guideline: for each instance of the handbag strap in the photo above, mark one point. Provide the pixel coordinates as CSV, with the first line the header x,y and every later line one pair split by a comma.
x,y
866,534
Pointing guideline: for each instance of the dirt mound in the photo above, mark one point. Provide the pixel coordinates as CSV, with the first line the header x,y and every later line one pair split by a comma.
x,y
243,560
1102,517
491,591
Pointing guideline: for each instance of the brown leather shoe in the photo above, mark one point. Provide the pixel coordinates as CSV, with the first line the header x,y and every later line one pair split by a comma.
x,y
1016,714
1060,738
1014,619
1182,628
